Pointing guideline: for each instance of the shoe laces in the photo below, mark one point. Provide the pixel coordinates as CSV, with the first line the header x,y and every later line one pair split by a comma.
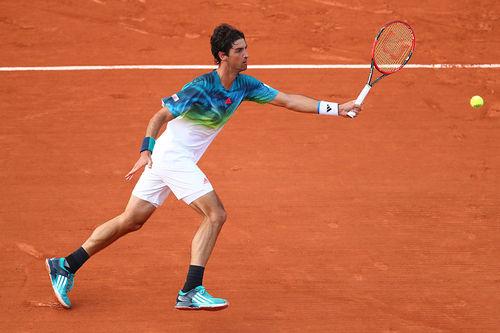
x,y
203,291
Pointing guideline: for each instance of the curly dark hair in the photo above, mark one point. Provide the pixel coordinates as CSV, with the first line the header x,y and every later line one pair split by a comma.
x,y
222,40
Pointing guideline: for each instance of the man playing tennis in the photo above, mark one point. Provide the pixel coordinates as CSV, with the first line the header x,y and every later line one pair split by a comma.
x,y
194,116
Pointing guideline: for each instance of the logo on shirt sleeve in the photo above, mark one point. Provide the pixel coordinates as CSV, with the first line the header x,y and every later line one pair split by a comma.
x,y
175,97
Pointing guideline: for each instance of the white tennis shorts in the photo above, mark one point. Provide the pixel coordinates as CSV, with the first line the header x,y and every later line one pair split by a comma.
x,y
187,183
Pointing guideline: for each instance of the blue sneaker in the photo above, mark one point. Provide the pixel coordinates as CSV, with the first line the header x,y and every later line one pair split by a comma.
x,y
199,299
62,280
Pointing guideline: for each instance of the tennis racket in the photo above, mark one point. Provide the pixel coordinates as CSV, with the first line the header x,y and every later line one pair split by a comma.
x,y
392,49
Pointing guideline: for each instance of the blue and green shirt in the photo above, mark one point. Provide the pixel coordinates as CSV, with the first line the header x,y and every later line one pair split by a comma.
x,y
206,102
201,109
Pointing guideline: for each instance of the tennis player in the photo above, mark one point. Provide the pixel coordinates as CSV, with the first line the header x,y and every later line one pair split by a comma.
x,y
194,116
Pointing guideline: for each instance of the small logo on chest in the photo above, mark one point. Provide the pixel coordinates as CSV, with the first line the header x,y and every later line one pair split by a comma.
x,y
228,101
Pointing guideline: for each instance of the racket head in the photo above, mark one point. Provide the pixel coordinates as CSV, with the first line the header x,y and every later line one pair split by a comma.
x,y
393,47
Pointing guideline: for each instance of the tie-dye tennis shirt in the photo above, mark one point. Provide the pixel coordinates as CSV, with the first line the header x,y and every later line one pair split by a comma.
x,y
201,109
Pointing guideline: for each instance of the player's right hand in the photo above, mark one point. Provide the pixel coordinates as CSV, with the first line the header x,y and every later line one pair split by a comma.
x,y
347,107
145,159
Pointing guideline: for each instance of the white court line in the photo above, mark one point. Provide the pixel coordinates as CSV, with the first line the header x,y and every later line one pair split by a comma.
x,y
291,66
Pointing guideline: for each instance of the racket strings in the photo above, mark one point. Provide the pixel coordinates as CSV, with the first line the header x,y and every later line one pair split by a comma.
x,y
393,47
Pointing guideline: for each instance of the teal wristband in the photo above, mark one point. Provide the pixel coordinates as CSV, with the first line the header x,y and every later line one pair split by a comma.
x,y
148,143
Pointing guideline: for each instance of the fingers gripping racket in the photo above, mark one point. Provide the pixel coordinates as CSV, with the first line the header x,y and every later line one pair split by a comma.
x,y
392,49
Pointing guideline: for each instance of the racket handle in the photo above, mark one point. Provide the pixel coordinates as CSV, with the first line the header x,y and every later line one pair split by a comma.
x,y
362,95
351,114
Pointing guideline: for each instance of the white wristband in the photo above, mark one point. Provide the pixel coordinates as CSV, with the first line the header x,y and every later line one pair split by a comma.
x,y
328,108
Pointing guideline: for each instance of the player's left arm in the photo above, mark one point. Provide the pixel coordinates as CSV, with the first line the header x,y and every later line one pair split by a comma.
x,y
300,103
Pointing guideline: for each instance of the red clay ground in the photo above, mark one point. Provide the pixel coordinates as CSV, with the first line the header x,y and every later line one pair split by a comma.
x,y
388,223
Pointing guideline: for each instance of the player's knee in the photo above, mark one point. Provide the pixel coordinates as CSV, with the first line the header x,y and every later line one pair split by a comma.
x,y
132,223
218,217
134,226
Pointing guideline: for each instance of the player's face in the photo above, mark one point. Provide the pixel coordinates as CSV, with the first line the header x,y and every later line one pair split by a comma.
x,y
238,55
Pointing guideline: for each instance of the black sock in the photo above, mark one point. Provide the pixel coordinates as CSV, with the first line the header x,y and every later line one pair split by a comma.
x,y
76,259
194,278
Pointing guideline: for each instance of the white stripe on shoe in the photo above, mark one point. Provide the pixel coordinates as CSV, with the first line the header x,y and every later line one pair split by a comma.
x,y
203,299
62,282
59,282
198,299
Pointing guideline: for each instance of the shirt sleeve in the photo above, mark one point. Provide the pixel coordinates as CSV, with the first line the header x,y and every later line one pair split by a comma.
x,y
256,91
181,102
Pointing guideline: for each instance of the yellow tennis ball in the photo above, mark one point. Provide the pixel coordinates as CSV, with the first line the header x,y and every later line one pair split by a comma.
x,y
476,102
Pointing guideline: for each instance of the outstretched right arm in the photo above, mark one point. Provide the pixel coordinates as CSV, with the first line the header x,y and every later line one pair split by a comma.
x,y
159,118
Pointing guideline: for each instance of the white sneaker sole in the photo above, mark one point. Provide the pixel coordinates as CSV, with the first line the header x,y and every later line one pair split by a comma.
x,y
214,307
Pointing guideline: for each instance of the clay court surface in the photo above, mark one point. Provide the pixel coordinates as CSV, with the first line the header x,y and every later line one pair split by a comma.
x,y
385,223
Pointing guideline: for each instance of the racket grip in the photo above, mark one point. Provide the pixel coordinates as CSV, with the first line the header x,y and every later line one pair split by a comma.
x,y
352,114
362,95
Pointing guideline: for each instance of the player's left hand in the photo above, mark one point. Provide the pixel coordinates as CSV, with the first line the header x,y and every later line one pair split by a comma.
x,y
145,159
345,108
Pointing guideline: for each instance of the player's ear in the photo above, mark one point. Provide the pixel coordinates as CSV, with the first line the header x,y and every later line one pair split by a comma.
x,y
222,56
